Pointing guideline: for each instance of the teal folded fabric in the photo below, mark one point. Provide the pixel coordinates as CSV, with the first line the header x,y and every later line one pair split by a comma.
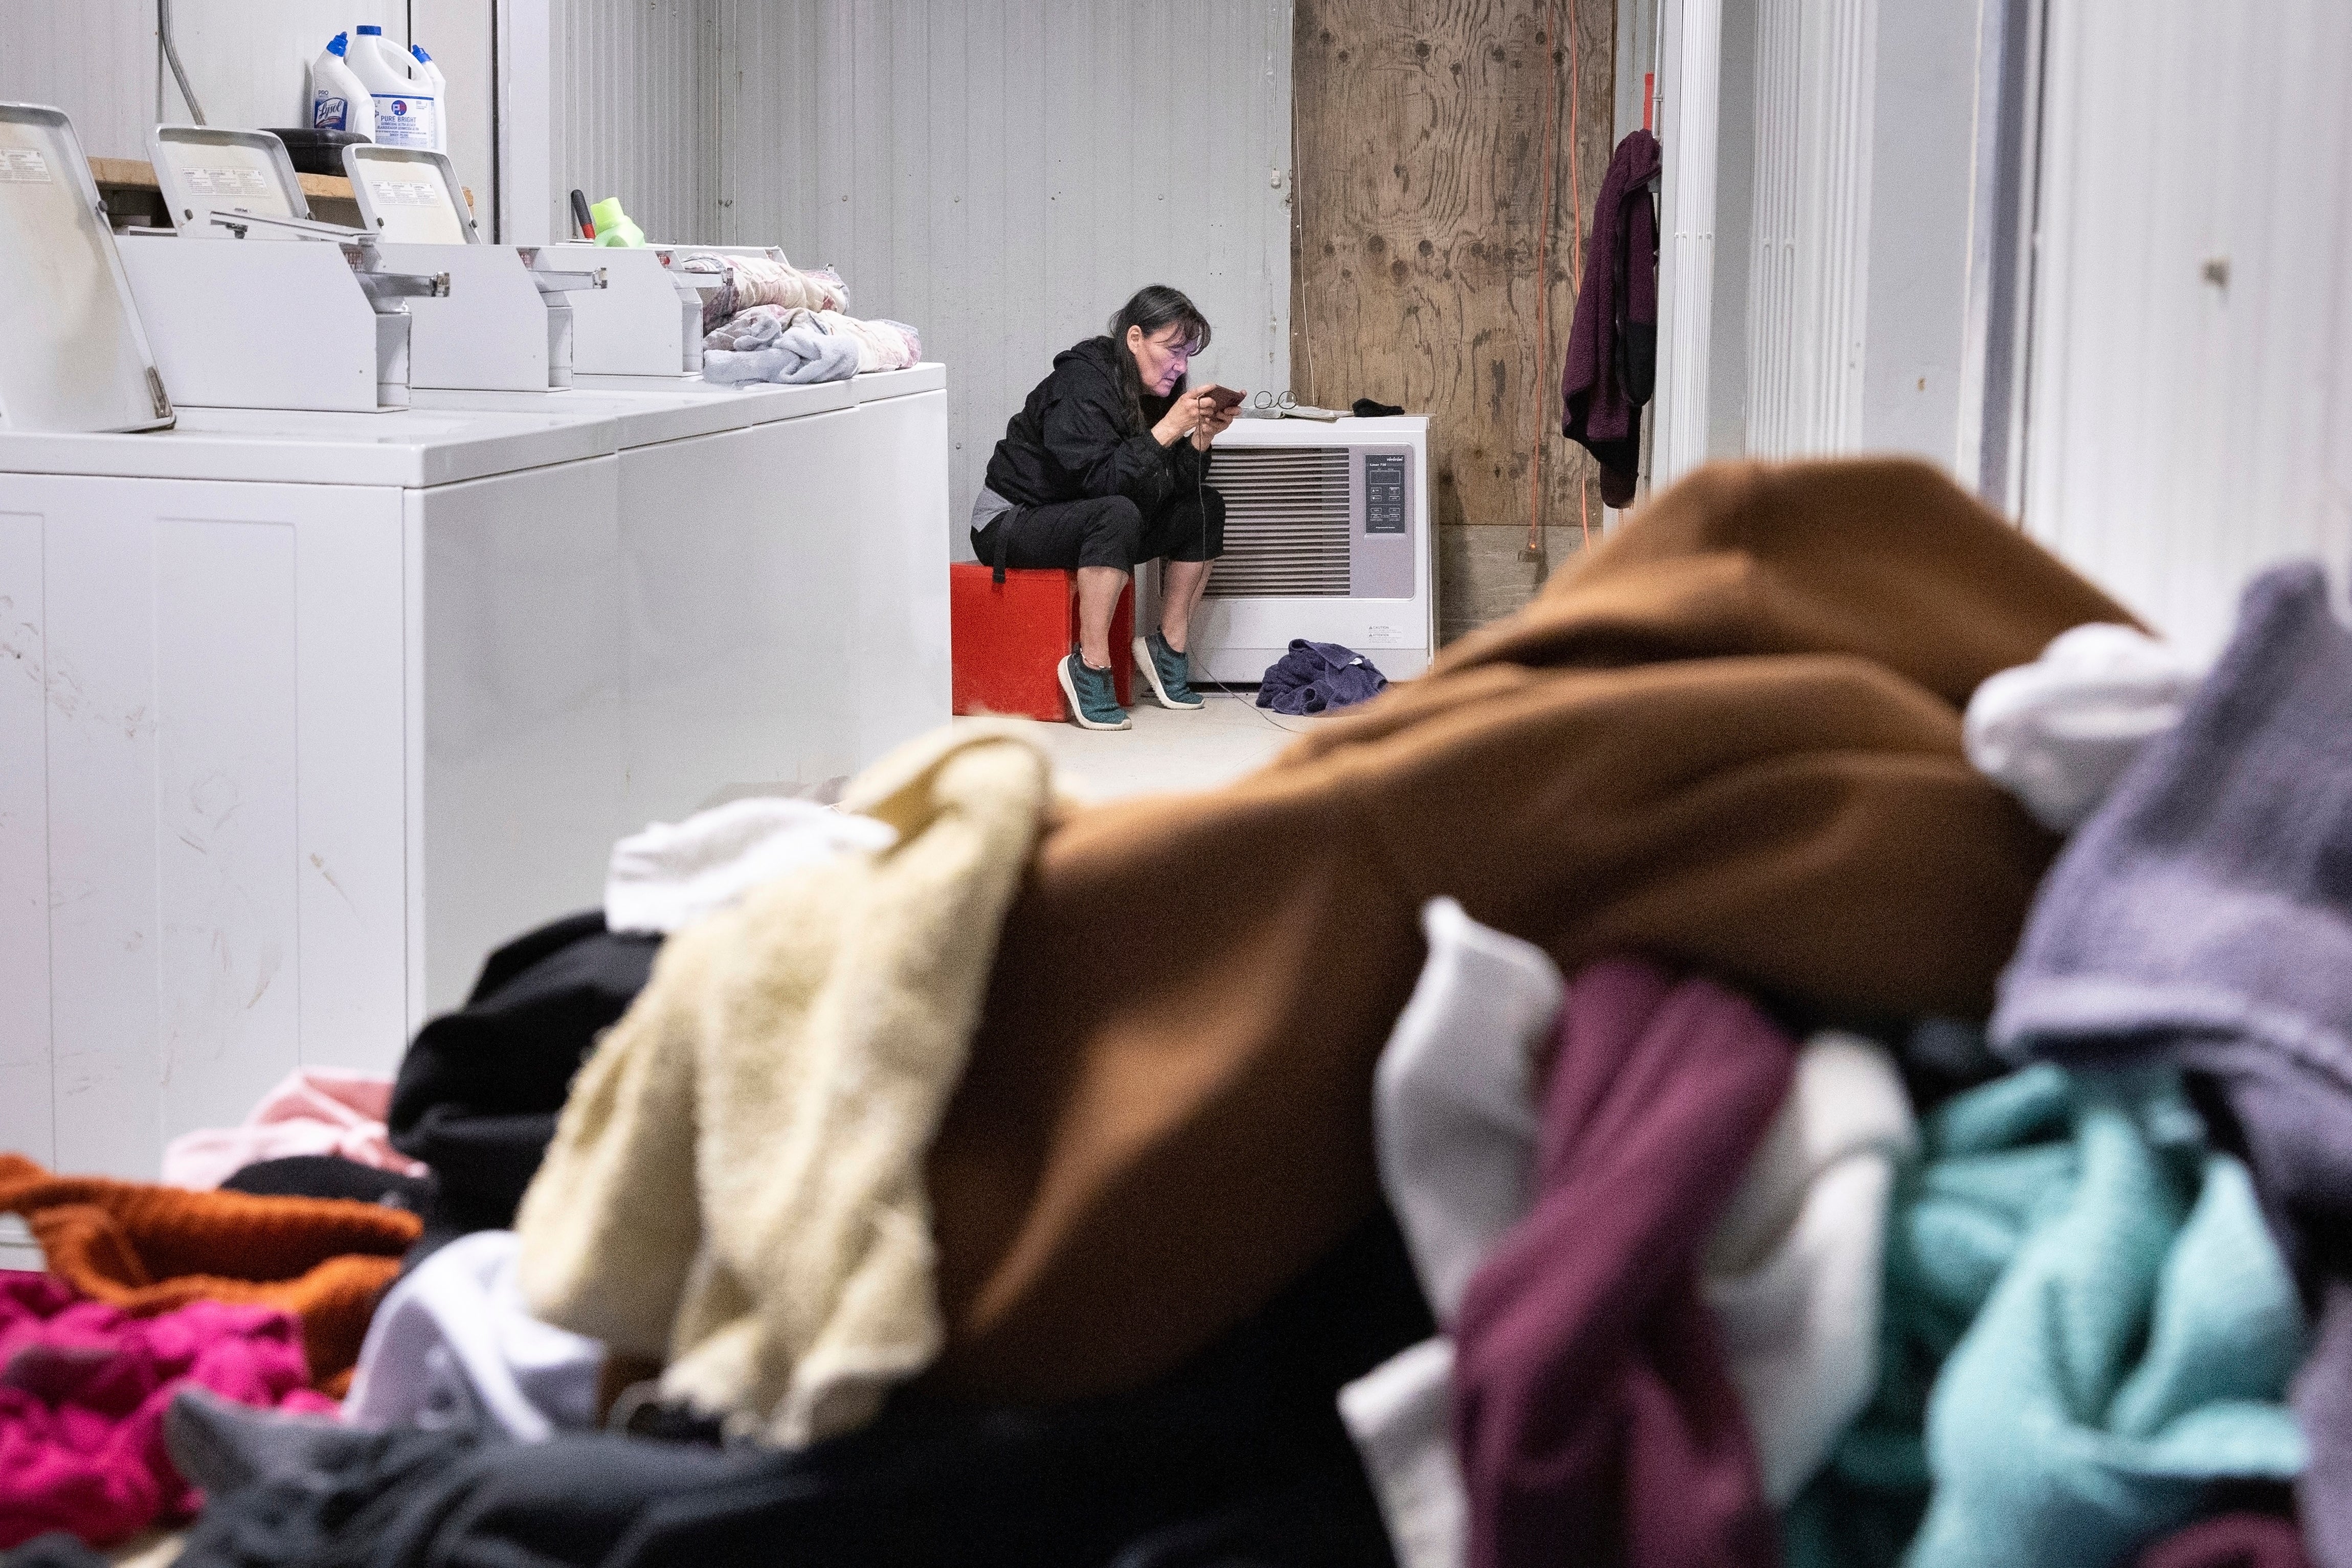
x,y
2086,1323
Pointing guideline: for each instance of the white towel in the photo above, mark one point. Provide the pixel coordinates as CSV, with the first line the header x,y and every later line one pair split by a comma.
x,y
674,874
736,1183
2058,733
454,1338
1793,1267
1398,1414
1454,1116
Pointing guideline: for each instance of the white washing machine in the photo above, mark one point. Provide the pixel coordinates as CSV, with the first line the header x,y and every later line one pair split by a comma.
x,y
787,570
898,640
302,713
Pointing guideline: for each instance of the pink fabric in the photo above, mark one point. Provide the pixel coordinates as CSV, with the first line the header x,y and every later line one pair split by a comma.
x,y
1593,1408
316,1110
2231,1541
83,1389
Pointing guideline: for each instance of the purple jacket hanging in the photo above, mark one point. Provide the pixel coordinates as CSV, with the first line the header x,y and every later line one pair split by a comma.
x,y
1612,349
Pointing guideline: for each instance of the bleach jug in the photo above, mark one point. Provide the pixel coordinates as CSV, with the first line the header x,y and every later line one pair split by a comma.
x,y
338,100
405,112
427,76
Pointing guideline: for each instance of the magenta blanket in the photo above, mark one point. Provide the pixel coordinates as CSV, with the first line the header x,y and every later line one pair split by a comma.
x,y
82,1394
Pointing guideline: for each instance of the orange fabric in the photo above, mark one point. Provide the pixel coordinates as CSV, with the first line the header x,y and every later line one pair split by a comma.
x,y
152,1249
1728,739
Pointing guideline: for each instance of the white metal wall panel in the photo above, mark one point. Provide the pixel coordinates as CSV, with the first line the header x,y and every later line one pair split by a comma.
x,y
95,60
1776,278
248,61
1002,174
2190,418
1692,93
631,113
1808,303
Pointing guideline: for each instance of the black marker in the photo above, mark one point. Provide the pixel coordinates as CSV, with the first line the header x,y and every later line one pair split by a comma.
x,y
579,216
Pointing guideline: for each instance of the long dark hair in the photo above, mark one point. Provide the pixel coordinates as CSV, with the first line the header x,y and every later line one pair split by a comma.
x,y
1152,309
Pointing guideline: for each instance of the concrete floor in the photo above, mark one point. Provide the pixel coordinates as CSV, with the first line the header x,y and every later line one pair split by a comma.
x,y
1169,751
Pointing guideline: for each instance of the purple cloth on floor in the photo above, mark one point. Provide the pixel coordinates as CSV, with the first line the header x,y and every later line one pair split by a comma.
x,y
1317,677
2203,918
1594,1407
2230,1541
1612,346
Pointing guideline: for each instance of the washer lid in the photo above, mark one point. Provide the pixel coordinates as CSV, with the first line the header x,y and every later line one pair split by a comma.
x,y
411,448
202,170
72,353
409,196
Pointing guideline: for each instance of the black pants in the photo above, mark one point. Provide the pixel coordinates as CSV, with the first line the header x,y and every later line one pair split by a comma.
x,y
1106,530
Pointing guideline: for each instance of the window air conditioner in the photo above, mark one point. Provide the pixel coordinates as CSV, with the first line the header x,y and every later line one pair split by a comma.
x,y
1328,537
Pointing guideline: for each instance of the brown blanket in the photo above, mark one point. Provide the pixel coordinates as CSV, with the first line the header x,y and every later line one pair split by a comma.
x,y
1729,738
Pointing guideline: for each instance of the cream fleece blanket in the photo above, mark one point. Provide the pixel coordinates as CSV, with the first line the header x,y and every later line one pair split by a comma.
x,y
736,1183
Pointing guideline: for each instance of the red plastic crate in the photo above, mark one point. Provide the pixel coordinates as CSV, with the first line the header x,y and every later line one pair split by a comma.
x,y
1009,637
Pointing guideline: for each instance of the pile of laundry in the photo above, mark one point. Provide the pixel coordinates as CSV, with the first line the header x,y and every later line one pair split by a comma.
x,y
1818,1042
767,320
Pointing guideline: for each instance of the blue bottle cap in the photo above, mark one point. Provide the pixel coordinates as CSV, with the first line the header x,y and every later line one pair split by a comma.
x,y
367,32
338,45
420,54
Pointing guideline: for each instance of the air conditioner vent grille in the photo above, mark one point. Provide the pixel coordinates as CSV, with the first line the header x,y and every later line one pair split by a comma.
x,y
1286,523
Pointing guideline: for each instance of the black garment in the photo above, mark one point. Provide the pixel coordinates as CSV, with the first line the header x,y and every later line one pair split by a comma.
x,y
1107,530
1366,408
332,1176
55,1549
1236,1458
1612,344
1073,440
479,1091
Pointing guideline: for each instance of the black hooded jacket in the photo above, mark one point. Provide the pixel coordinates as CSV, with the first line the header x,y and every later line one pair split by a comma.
x,y
1072,439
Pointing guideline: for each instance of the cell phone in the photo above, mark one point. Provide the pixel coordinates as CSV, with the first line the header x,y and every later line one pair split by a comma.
x,y
1225,397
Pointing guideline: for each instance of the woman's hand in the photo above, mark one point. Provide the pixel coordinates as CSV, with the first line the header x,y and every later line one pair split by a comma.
x,y
1214,420
1184,415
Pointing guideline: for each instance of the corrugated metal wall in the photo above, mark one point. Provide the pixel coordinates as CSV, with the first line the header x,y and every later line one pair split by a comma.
x,y
1003,175
2189,415
95,60
632,112
1809,289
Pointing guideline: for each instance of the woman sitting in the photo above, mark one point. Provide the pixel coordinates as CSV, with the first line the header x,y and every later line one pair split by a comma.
x,y
1106,466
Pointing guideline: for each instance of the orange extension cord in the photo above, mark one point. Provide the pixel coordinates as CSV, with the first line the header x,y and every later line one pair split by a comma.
x,y
1575,265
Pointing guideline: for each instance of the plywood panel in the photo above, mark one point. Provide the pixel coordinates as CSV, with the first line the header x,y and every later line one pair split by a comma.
x,y
1420,134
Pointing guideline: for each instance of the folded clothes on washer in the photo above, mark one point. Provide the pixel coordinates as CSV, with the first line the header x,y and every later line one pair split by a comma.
x,y
771,343
882,343
748,280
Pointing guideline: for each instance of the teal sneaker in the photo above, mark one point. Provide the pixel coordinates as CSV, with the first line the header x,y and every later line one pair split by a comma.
x,y
1093,700
1169,672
